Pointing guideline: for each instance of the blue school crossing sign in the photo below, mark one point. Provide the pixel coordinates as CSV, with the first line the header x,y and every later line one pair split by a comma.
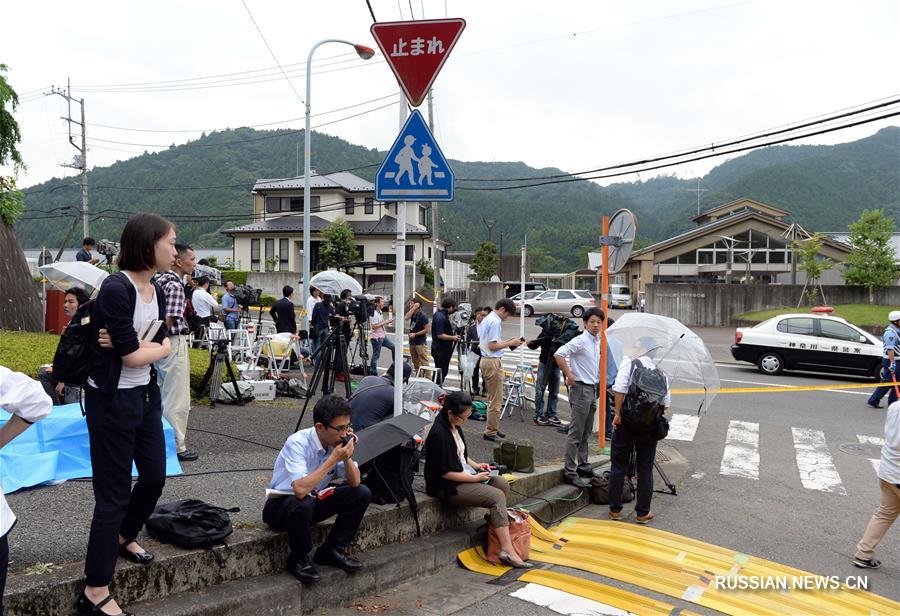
x,y
415,168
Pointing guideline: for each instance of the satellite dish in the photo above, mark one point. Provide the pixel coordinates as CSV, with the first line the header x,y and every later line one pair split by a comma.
x,y
45,258
622,229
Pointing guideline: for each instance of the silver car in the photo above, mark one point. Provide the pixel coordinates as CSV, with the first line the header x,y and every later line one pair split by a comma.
x,y
560,301
517,298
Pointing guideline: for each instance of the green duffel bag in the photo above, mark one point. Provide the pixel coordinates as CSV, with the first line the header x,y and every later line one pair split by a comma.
x,y
479,411
517,456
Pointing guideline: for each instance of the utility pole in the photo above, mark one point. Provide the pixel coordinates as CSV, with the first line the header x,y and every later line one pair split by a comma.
x,y
434,217
80,161
489,223
699,192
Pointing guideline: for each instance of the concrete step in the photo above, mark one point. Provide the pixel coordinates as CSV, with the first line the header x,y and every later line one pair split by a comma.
x,y
258,552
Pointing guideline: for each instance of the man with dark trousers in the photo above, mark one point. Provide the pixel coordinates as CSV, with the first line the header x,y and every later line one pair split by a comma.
x,y
442,336
300,496
283,313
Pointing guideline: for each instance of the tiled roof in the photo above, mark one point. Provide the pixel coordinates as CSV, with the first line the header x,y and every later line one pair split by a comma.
x,y
387,225
342,180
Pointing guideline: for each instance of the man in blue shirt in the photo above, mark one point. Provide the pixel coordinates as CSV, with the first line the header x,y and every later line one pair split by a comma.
x,y
299,495
87,245
890,360
231,312
373,400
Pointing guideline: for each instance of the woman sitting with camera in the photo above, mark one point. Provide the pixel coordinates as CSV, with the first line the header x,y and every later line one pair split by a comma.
x,y
452,476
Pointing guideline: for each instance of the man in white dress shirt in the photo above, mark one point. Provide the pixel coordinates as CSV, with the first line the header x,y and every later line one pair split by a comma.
x,y
492,348
26,400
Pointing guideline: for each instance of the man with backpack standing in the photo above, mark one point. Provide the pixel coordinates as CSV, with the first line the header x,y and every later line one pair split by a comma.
x,y
638,413
174,371
889,362
579,360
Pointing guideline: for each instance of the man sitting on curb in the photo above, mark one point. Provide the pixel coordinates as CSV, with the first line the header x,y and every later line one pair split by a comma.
x,y
299,495
373,400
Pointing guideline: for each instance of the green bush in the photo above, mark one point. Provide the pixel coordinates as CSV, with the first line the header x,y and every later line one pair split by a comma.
x,y
234,276
26,352
266,300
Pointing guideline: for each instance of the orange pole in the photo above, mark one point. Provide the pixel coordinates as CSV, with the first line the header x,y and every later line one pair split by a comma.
x,y
604,293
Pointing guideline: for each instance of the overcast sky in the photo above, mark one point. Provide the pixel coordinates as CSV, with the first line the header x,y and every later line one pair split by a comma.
x,y
561,84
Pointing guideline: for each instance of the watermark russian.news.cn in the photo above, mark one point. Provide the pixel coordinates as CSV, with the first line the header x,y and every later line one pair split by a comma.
x,y
789,582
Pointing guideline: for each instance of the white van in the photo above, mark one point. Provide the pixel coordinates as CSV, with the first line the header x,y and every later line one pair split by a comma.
x,y
620,297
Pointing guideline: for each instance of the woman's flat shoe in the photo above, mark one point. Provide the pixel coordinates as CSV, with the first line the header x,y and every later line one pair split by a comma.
x,y
143,558
86,608
505,559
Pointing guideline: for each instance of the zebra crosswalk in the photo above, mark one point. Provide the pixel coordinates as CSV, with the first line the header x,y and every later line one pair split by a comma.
x,y
815,464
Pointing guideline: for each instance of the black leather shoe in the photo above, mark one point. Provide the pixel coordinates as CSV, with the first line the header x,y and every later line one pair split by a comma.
x,y
85,607
501,435
336,558
491,437
578,482
587,474
144,558
304,571
187,456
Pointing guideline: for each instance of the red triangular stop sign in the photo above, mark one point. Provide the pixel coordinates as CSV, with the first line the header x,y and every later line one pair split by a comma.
x,y
416,51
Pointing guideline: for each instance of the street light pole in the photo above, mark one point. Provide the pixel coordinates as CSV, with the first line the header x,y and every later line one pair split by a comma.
x,y
365,53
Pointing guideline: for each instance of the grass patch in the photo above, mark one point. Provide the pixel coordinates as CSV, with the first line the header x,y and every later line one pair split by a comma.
x,y
858,314
41,568
26,352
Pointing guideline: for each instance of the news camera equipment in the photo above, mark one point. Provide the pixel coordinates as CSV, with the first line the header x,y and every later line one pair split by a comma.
x,y
361,307
460,322
246,295
213,378
214,275
108,249
329,358
631,471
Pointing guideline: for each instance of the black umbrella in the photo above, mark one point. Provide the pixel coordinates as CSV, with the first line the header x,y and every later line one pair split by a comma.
x,y
385,435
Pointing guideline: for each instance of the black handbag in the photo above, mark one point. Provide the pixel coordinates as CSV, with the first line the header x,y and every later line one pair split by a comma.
x,y
661,427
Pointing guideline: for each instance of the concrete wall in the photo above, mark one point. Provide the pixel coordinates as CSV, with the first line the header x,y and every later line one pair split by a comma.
x,y
272,282
485,293
712,305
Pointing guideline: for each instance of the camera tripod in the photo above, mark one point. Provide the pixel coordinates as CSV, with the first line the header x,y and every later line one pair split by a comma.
x,y
631,471
213,376
332,350
362,346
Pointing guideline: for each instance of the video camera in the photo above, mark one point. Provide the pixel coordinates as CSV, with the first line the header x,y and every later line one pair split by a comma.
x,y
214,275
461,319
108,249
246,295
561,328
361,307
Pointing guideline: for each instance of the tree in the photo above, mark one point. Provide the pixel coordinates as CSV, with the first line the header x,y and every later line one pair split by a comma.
x,y
19,305
338,245
872,260
424,268
808,261
485,262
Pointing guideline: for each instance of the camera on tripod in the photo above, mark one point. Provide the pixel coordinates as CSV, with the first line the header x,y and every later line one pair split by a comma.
x,y
361,307
108,249
246,295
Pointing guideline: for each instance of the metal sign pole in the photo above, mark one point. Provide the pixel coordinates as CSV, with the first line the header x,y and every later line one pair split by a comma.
x,y
604,306
399,290
522,302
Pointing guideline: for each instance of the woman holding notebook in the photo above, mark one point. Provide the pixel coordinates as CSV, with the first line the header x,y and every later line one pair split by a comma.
x,y
122,405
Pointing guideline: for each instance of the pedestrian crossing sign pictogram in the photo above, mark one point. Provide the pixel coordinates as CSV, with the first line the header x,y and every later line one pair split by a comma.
x,y
415,168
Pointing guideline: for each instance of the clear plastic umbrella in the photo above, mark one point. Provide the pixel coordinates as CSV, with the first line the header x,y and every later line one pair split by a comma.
x,y
333,282
677,351
67,274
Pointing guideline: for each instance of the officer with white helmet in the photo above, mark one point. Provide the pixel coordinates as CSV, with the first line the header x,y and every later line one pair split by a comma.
x,y
890,362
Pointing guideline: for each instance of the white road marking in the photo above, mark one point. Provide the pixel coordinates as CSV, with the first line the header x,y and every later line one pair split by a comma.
x,y
741,456
872,440
817,470
563,602
683,427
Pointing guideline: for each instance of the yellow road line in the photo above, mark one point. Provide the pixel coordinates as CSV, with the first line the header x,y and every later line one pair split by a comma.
x,y
781,388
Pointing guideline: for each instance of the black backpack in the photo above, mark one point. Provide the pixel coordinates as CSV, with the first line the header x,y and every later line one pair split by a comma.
x,y
644,401
191,524
73,361
390,477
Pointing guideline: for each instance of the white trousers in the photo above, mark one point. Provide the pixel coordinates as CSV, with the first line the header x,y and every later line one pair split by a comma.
x,y
174,378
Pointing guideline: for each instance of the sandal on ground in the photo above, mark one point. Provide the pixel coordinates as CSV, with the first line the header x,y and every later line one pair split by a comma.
x,y
141,558
87,608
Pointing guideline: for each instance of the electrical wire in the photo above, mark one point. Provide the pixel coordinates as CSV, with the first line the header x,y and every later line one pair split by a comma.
x,y
272,53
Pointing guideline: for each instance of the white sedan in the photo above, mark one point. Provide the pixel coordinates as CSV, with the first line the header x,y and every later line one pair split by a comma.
x,y
810,342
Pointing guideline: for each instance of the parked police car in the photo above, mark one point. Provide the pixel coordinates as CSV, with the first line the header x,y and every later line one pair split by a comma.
x,y
815,342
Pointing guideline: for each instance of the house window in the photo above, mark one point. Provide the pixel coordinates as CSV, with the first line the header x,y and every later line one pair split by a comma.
x,y
296,204
429,253
254,255
410,253
422,216
349,206
361,250
270,254
314,204
386,258
273,205
283,254
370,205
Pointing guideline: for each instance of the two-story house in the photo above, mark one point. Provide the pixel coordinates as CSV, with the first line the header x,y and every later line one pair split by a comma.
x,y
274,240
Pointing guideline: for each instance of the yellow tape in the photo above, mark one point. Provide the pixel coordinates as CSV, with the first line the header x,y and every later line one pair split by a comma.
x,y
780,389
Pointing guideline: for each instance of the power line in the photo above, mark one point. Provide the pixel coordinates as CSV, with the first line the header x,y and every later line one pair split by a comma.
x,y
288,79
690,160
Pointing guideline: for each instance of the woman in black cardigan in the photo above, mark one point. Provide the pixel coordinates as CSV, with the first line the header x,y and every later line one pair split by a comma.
x,y
455,478
123,407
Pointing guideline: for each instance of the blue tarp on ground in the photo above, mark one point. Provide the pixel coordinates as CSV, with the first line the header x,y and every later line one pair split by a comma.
x,y
57,449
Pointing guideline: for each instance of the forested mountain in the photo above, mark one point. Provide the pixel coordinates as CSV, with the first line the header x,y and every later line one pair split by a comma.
x,y
825,188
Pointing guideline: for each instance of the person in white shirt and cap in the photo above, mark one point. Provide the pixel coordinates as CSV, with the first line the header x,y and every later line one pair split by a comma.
x,y
889,481
26,400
